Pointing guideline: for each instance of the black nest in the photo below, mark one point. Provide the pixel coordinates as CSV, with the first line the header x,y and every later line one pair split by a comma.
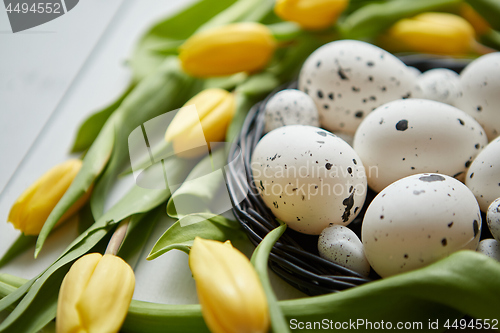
x,y
295,256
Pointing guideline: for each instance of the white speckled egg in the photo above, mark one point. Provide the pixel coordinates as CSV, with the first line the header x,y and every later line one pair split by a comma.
x,y
417,221
406,137
308,177
480,82
341,245
493,218
348,79
440,84
483,177
490,248
290,107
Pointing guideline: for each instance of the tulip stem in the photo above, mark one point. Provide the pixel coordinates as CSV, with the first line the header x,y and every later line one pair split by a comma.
x,y
116,240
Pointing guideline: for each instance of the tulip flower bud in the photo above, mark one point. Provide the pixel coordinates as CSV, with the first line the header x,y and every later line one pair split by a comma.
x,y
311,14
215,108
95,295
33,207
230,293
234,48
438,33
477,21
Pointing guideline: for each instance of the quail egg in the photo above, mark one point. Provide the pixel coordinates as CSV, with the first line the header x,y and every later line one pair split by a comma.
x,y
483,176
308,177
406,137
480,82
290,107
341,245
493,218
489,247
417,221
440,84
348,79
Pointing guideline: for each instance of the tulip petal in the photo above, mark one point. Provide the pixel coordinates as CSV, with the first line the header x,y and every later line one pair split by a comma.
x,y
72,288
234,48
228,287
32,208
438,33
104,304
205,101
311,14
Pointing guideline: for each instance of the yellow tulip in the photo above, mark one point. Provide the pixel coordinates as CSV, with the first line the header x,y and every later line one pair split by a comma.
x,y
477,21
311,14
31,209
438,33
229,290
234,48
215,108
95,295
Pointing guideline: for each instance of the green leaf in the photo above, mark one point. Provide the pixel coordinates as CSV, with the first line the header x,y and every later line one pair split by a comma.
x,y
158,41
488,9
260,259
464,283
240,11
181,234
9,284
258,84
93,164
372,19
22,243
85,218
491,39
163,91
40,311
201,187
90,128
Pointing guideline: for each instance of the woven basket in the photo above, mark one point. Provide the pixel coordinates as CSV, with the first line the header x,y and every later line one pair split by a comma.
x,y
295,257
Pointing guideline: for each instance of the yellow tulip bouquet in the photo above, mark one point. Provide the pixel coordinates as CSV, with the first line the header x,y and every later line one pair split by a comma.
x,y
222,56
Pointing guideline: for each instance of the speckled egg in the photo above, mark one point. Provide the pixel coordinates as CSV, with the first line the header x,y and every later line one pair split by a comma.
x,y
348,79
290,107
341,245
412,136
480,82
308,177
493,218
440,84
483,177
417,221
489,247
